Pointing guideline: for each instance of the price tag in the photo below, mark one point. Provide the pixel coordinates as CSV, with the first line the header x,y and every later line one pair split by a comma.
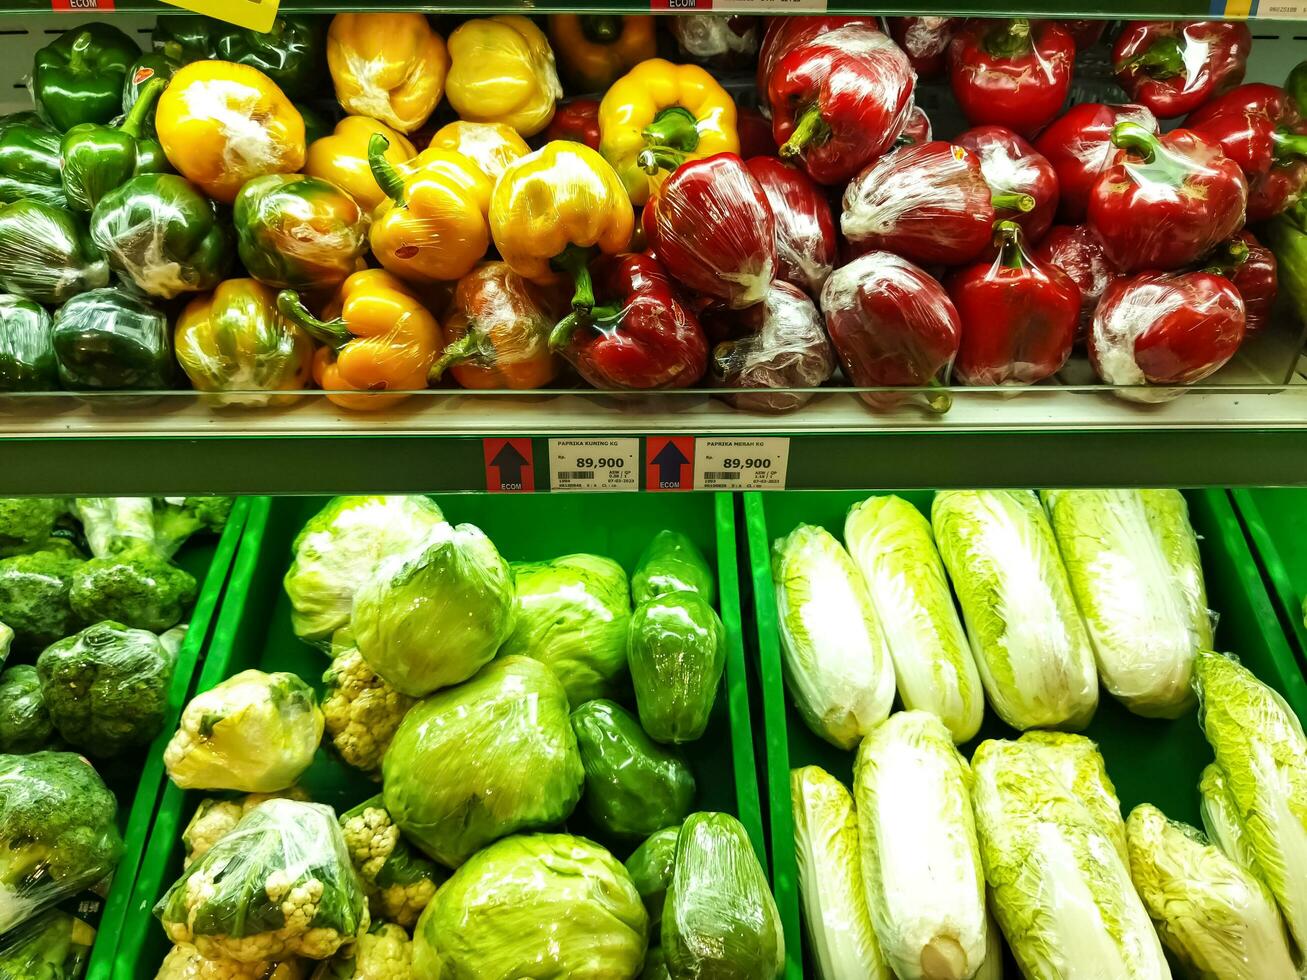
x,y
81,6
740,6
257,15
594,464
741,464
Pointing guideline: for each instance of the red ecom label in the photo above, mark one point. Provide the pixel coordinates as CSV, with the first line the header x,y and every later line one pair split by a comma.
x,y
81,5
669,463
680,4
510,465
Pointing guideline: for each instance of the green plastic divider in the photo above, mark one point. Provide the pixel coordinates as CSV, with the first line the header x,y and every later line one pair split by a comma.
x,y
1276,522
138,780
1149,760
253,630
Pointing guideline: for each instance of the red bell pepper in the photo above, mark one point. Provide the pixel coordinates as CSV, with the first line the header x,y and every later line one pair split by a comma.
x,y
1079,146
784,33
755,133
1174,66
1077,251
1018,315
1167,200
918,128
928,202
639,334
893,326
925,41
1086,33
576,120
1260,128
1251,267
1013,167
711,226
1012,73
839,101
806,246
1159,328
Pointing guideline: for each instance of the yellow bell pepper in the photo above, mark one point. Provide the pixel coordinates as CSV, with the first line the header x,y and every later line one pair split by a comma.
x,y
594,50
657,116
432,224
377,335
342,157
552,210
220,124
502,70
491,146
391,67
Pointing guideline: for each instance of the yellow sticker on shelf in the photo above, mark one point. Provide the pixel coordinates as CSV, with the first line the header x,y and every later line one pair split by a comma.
x,y
1260,9
257,15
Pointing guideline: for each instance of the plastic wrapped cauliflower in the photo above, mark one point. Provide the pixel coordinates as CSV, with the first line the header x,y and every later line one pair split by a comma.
x,y
280,885
385,953
361,710
215,819
398,878
184,962
253,733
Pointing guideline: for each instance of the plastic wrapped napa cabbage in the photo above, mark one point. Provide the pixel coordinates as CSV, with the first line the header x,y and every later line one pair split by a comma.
x,y
279,885
672,563
837,664
1132,561
838,924
720,919
1075,760
434,616
650,867
1214,917
1221,820
254,733
891,543
1029,640
924,883
676,649
1059,889
534,905
572,614
483,760
1259,745
340,546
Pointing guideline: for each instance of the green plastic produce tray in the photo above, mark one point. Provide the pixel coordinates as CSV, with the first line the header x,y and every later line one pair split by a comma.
x,y
1148,760
253,630
1276,522
138,779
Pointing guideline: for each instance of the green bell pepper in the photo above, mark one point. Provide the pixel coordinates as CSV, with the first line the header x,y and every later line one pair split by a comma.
x,y
45,253
182,38
1296,85
676,649
79,77
112,340
291,53
96,158
1286,235
671,563
650,867
26,346
29,161
160,232
145,68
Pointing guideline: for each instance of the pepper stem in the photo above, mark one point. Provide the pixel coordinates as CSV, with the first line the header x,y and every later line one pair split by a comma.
x,y
663,158
668,139
810,128
1007,239
1164,59
1012,201
387,177
561,335
575,261
938,398
333,333
465,348
601,28
1234,254
1289,144
81,47
135,118
1137,139
1009,39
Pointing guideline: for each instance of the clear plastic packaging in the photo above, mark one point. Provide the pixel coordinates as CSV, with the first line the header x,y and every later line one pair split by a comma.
x,y
806,246
1014,73
114,524
110,340
1158,328
676,651
783,33
138,587
1078,252
55,945
1078,144
280,885
925,40
34,596
491,146
1014,171
214,819
1174,66
1221,820
360,711
650,866
46,255
398,878
502,69
672,563
27,361
1079,766
391,67
720,40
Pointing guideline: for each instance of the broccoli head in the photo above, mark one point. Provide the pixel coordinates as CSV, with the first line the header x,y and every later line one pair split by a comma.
x,y
399,879
215,819
52,946
361,710
25,725
136,586
27,522
114,524
385,953
177,518
184,962
106,688
57,831
35,597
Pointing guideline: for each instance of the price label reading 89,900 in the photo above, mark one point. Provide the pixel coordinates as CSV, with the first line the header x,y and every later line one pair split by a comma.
x,y
741,464
594,464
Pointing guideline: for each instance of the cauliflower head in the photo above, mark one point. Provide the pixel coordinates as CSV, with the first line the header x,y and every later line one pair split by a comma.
x,y
385,953
215,819
360,709
184,962
399,880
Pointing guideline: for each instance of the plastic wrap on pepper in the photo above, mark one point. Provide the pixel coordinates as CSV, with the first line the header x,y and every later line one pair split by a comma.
x,y
717,40
918,129
97,158
806,246
234,339
46,254
925,40
1086,33
1157,328
783,33
1166,201
1019,315
1253,270
78,77
342,158
783,345
892,326
1287,235
594,50
161,233
501,70
491,146
289,52
1013,73
840,100
1174,66
1014,168
1079,146
29,161
111,340
391,67
142,72
27,360
576,120
1077,251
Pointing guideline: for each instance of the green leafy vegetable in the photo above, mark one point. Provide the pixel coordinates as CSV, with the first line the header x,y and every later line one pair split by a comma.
x,y
1221,820
1076,761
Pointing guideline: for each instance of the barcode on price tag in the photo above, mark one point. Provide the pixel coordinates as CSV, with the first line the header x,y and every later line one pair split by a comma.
x,y
594,464
741,464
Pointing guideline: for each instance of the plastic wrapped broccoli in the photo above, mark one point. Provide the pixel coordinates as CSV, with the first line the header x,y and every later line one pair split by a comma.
x,y
114,524
26,523
178,519
398,878
25,724
385,953
254,733
184,962
35,596
361,710
137,586
53,946
280,885
214,819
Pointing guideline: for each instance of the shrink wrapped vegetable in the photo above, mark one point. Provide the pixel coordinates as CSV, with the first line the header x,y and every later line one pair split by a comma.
x,y
1034,656
94,159
1015,170
501,70
719,40
53,946
1079,146
25,724
289,52
650,867
925,40
806,247
720,919
214,819
453,776
136,586
35,596
1222,822
837,663
115,524
391,67
491,146
571,615
1132,561
1011,73
577,120
1058,887
432,616
27,361
672,563
398,879
676,650
1173,67
552,905
111,340
46,254
254,732
891,544
783,33
1077,251
361,712
342,158
1076,762
838,924
29,161
26,523
597,49
1253,270
78,77
920,861
279,885
1214,917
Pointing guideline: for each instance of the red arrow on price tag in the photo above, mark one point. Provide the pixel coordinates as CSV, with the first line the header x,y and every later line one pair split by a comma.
x,y
669,463
510,465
